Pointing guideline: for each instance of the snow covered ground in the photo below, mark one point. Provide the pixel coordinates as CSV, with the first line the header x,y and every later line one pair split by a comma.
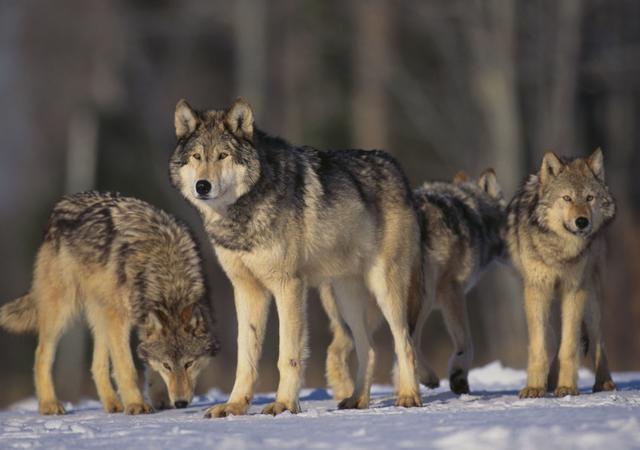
x,y
491,418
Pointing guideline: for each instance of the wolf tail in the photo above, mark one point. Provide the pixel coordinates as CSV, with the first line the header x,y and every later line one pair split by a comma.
x,y
20,315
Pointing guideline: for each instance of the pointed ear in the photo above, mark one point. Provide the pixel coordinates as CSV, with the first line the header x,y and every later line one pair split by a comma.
x,y
239,119
185,120
551,167
152,324
596,163
488,182
186,314
460,177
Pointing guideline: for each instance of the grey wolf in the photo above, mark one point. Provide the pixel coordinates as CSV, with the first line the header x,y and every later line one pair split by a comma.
x,y
554,236
126,265
462,226
283,218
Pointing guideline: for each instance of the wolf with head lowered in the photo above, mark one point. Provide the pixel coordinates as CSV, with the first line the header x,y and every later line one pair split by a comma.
x,y
127,266
555,240
283,218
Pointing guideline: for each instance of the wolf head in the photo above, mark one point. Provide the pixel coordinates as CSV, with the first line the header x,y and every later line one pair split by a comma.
x,y
573,197
178,346
215,161
486,184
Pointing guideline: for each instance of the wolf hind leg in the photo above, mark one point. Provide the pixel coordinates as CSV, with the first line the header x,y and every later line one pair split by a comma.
x,y
454,310
353,300
390,286
426,374
595,347
337,367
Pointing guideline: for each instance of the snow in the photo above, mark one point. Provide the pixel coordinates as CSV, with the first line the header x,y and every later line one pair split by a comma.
x,y
492,417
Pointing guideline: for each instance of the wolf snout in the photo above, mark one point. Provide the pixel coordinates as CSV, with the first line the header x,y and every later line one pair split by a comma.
x,y
582,223
203,187
180,404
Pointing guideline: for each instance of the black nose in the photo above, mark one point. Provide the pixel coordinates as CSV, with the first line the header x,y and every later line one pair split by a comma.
x,y
181,404
582,222
203,187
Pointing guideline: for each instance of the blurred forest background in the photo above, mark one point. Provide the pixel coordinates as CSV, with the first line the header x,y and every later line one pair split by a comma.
x,y
88,89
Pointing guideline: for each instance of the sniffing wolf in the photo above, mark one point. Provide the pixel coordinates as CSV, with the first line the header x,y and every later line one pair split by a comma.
x,y
462,225
555,240
127,265
282,218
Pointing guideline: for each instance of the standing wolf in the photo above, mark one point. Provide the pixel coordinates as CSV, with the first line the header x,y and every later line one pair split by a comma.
x,y
282,218
127,265
462,223
555,240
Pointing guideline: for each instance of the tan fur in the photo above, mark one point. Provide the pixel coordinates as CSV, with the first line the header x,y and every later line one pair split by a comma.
x,y
557,259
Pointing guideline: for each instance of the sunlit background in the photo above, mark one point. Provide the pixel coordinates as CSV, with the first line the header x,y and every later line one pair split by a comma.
x,y
88,89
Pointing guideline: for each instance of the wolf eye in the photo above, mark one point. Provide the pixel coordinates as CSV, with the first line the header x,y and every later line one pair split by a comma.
x,y
166,366
566,198
197,156
223,155
589,198
188,364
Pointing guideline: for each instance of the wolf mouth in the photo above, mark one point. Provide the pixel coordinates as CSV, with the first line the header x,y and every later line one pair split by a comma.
x,y
579,233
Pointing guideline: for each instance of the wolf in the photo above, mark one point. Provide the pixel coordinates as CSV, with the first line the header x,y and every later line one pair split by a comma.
x,y
462,236
555,239
126,265
283,218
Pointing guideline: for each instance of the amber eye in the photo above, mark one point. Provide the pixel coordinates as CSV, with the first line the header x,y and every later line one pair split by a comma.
x,y
197,156
566,198
188,364
223,155
166,366
589,198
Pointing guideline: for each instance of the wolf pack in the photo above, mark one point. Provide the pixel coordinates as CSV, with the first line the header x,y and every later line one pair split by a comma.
x,y
283,219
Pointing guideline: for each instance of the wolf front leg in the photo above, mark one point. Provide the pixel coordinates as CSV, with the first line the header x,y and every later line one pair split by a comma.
x,y
291,299
573,303
252,309
537,302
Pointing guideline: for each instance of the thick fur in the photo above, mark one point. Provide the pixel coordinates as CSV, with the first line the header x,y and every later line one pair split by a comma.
x,y
126,265
284,218
462,223
557,258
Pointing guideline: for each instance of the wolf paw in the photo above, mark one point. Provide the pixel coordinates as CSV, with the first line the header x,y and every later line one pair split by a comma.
x,y
532,392
134,409
354,403
276,408
563,391
113,406
226,409
458,384
432,382
51,408
409,400
608,385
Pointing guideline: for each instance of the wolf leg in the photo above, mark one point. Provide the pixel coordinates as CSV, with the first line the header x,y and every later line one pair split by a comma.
x,y
454,310
353,299
426,374
537,302
390,287
100,366
290,297
596,349
48,335
337,367
573,304
118,332
252,309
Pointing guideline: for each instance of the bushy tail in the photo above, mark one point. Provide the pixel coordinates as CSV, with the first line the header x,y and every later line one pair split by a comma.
x,y
20,315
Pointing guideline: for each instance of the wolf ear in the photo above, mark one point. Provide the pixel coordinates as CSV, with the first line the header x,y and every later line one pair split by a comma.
x,y
596,163
185,119
489,183
191,316
551,167
460,177
152,324
239,119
